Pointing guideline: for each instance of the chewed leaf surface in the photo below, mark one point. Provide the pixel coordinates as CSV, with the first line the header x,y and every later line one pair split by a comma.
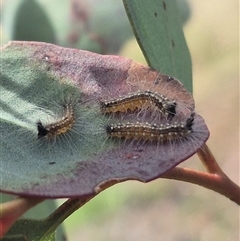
x,y
54,136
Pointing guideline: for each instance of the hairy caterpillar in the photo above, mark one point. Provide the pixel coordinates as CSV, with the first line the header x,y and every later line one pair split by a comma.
x,y
59,127
140,100
151,132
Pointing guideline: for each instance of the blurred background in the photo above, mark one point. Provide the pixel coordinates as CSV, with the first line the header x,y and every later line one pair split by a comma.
x,y
163,209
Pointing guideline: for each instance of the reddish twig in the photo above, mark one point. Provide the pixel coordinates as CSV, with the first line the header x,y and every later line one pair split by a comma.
x,y
209,160
215,179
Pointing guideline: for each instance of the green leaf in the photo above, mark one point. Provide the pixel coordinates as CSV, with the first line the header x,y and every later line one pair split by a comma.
x,y
184,9
30,230
158,30
91,25
15,238
32,23
42,210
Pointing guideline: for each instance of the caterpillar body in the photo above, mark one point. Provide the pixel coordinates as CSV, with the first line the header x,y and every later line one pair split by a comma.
x,y
140,100
52,130
150,132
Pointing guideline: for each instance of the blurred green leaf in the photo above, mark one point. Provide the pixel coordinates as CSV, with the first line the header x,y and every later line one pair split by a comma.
x,y
31,230
158,30
184,9
42,210
108,21
5,197
32,23
92,25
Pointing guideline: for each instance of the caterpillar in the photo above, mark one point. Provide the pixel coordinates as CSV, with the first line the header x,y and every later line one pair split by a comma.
x,y
51,131
150,132
139,100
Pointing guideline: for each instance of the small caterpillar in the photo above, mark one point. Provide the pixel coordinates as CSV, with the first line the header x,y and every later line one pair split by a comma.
x,y
59,127
138,100
150,132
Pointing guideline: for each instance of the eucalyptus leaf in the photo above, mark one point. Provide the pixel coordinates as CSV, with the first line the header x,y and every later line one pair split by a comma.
x,y
39,80
158,30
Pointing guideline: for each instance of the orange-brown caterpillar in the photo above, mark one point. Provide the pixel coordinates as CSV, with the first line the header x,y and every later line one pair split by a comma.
x,y
59,127
150,132
139,100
